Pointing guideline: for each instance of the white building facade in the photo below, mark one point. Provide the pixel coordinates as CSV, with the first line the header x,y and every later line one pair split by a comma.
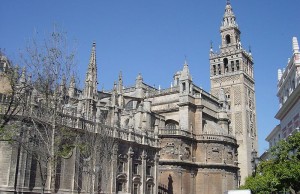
x,y
289,98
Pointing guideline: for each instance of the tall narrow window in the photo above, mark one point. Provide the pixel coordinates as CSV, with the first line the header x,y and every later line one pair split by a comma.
x,y
149,189
237,65
232,66
120,186
121,167
135,168
228,41
219,69
148,170
214,70
135,188
183,87
225,62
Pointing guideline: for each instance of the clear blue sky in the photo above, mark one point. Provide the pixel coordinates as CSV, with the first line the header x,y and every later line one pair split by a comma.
x,y
152,37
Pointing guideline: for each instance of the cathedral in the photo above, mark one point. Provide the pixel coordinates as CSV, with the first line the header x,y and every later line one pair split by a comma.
x,y
181,139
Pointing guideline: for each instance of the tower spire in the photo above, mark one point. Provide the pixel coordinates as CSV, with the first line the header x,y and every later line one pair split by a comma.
x,y
229,17
229,29
91,75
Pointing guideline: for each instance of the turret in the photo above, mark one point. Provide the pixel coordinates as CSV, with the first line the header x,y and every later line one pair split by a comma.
x,y
63,87
120,90
138,81
295,45
90,88
120,83
138,86
72,87
185,79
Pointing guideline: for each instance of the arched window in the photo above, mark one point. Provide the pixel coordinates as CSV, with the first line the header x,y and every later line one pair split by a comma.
x,y
130,105
171,124
227,37
214,70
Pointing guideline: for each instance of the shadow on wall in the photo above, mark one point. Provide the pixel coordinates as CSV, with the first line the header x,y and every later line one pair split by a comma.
x,y
164,189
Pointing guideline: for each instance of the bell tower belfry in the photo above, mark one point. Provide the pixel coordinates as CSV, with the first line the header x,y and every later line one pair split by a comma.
x,y
231,72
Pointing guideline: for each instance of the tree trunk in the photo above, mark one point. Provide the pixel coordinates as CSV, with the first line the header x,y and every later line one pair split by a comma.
x,y
53,160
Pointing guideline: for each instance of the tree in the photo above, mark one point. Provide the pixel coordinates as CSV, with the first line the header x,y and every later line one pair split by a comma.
x,y
38,95
263,181
287,162
13,94
50,62
96,151
281,171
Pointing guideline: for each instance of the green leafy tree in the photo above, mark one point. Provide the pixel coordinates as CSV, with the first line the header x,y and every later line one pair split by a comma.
x,y
281,172
286,159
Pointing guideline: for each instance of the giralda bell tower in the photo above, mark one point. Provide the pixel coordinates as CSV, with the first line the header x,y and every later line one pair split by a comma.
x,y
231,70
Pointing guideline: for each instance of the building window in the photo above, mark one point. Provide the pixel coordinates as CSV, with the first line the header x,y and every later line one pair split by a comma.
x,y
171,125
149,189
129,105
227,37
214,70
219,69
232,66
135,188
237,65
119,186
183,87
135,168
121,167
225,62
148,170
228,96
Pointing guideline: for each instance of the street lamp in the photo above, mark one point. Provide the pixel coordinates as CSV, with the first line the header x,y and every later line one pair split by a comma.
x,y
239,178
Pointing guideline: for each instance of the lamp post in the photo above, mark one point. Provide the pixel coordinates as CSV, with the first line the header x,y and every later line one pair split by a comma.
x,y
239,178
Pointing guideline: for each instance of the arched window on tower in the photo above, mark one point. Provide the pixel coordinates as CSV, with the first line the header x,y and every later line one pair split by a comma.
x,y
232,66
227,37
214,70
237,62
219,69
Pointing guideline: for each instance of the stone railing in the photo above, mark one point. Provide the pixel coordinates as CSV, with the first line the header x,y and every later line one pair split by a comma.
x,y
129,89
204,137
178,132
164,91
216,137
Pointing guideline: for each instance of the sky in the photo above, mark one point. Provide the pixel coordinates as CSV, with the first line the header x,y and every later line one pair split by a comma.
x,y
154,38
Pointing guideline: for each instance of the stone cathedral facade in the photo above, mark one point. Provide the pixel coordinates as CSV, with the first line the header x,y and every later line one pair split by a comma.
x,y
180,140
